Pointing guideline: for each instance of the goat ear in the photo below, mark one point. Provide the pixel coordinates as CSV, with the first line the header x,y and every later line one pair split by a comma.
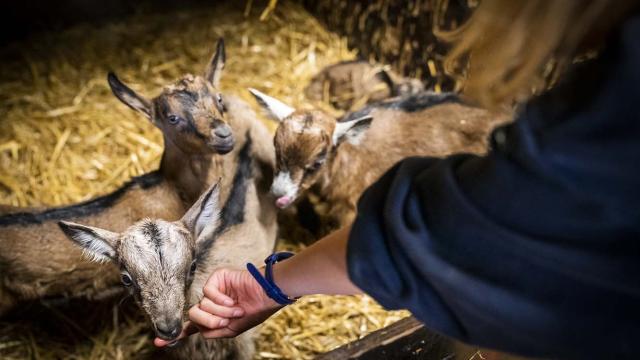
x,y
128,96
98,244
203,216
274,108
351,131
216,65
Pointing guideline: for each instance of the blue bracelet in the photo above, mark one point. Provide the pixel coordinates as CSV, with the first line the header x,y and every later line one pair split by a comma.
x,y
267,283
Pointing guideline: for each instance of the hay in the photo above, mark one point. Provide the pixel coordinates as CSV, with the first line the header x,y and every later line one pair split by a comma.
x,y
321,323
317,324
64,138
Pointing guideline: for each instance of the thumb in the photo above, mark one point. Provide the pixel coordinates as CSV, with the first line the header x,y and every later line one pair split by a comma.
x,y
188,329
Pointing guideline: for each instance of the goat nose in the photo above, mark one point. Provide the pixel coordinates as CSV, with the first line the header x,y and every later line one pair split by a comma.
x,y
169,330
222,131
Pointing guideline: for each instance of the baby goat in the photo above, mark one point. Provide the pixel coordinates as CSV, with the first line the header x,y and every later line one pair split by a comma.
x,y
165,264
350,84
198,123
340,159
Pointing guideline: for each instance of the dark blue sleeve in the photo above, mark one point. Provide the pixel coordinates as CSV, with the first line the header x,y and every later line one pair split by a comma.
x,y
534,248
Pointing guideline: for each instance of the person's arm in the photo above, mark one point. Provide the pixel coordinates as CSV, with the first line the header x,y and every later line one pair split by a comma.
x,y
319,269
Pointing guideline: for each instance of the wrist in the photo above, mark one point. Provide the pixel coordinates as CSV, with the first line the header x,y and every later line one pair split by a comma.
x,y
267,302
266,280
281,271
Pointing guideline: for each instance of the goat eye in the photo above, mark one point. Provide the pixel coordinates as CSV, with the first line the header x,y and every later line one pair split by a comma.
x,y
173,119
193,268
316,165
126,280
220,103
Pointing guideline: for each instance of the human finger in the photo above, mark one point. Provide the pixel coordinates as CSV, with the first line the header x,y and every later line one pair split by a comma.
x,y
212,291
219,333
205,319
219,310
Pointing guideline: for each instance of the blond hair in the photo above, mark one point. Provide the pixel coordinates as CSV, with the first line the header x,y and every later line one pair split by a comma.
x,y
507,47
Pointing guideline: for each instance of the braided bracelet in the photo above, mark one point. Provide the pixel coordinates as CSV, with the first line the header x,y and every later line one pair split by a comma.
x,y
266,282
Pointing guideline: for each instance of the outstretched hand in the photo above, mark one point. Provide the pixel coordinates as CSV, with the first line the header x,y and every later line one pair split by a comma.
x,y
233,303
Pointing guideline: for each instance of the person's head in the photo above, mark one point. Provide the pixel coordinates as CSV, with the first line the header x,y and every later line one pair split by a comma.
x,y
190,112
507,47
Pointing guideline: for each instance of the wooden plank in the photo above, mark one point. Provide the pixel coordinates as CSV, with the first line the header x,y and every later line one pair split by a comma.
x,y
410,339
405,339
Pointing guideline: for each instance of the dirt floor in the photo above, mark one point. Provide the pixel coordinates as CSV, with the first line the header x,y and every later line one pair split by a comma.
x,y
64,138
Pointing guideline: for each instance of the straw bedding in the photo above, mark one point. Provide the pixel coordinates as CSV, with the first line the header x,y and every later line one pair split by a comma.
x,y
65,138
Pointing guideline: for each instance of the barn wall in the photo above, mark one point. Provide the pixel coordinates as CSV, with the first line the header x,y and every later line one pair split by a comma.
x,y
26,17
396,32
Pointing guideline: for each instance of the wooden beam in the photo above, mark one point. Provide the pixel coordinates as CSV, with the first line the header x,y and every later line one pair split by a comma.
x,y
410,339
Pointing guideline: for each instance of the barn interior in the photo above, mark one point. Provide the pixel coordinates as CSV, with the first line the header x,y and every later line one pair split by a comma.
x,y
64,138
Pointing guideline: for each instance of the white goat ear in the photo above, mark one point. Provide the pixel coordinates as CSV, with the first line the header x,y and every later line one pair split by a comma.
x,y
274,108
351,131
203,216
128,96
213,73
98,244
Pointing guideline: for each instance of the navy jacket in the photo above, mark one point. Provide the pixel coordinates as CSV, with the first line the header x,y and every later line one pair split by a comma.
x,y
534,248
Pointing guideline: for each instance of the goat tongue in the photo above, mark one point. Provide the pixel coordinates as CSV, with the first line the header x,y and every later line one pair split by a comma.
x,y
283,202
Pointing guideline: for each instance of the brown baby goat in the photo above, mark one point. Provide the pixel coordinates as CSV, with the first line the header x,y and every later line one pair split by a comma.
x,y
197,123
340,159
351,84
